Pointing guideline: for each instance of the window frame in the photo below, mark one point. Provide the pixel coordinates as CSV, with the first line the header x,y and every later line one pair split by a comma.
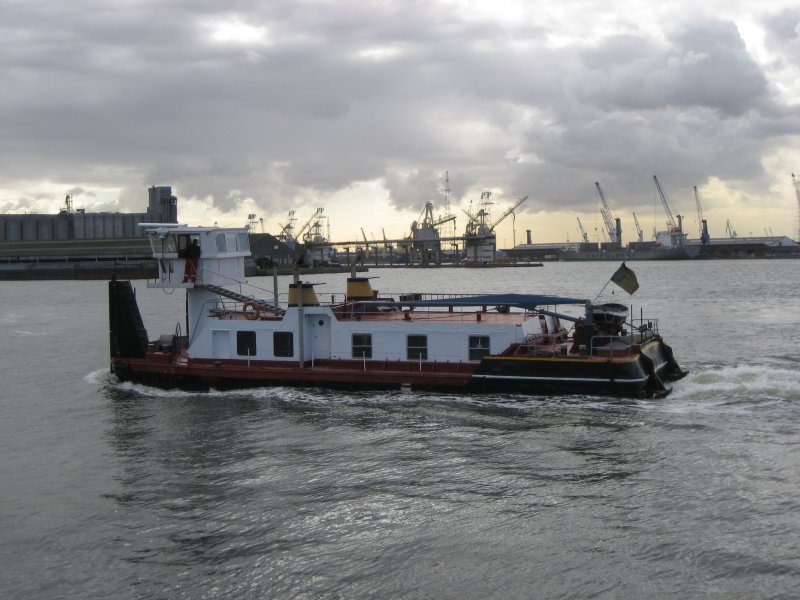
x,y
364,349
246,340
417,351
220,243
281,349
475,350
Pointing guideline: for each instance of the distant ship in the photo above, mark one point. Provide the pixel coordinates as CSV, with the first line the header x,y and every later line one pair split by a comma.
x,y
671,244
634,251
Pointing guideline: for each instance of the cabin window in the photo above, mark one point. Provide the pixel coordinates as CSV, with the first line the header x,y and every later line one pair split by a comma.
x,y
282,343
246,343
222,247
230,242
417,347
169,245
362,345
244,243
478,346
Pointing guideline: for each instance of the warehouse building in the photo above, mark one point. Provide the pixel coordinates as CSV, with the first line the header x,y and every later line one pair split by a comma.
x,y
78,224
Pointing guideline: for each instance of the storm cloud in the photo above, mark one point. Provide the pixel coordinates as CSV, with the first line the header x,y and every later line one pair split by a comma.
x,y
287,104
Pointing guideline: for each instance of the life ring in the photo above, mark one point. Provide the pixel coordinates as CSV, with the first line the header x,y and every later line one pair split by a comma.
x,y
251,315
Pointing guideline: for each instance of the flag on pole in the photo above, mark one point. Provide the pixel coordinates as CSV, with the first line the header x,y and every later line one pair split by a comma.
x,y
626,279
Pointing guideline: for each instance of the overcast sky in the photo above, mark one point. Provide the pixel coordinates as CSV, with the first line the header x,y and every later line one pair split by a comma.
x,y
361,108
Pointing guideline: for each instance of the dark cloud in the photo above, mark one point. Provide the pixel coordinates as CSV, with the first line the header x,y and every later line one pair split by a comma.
x,y
136,94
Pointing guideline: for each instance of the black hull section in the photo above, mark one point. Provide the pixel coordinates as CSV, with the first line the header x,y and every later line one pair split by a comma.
x,y
639,376
127,334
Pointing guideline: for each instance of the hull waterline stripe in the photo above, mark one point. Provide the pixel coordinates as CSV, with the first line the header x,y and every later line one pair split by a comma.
x,y
579,379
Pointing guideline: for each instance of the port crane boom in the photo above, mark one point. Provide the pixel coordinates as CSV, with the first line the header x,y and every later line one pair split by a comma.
x,y
509,211
608,217
300,231
670,220
583,232
479,225
639,231
704,237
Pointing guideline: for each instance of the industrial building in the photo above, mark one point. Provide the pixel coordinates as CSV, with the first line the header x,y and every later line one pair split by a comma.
x,y
71,224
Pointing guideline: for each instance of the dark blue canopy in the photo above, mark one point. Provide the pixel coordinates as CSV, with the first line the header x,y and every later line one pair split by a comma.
x,y
526,301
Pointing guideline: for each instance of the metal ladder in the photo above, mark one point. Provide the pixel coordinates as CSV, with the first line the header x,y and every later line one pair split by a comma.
x,y
262,304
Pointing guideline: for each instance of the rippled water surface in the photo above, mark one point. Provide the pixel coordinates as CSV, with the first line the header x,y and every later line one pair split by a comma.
x,y
123,491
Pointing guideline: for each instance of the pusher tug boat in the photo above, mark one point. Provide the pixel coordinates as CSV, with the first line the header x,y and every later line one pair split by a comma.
x,y
513,343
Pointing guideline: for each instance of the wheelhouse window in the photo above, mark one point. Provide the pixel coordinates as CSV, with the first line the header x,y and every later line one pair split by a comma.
x,y
246,343
244,243
478,346
282,343
417,347
362,345
222,247
230,241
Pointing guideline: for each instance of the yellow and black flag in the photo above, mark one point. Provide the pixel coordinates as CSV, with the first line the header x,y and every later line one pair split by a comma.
x,y
626,279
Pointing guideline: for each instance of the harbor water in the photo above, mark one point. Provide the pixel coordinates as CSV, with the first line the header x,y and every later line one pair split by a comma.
x,y
116,490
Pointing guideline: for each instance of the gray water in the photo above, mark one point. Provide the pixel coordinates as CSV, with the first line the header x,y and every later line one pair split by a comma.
x,y
115,490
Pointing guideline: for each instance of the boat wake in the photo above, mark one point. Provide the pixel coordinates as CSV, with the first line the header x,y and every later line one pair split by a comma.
x,y
738,384
738,387
299,397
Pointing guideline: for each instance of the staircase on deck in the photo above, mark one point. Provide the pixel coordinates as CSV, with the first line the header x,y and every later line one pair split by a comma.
x,y
237,297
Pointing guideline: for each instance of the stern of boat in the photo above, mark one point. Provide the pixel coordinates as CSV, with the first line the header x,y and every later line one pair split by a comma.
x,y
127,334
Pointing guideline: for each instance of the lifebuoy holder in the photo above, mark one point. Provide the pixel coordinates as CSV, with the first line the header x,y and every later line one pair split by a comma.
x,y
251,315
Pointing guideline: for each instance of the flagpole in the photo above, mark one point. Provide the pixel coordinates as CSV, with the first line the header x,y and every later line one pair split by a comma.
x,y
601,291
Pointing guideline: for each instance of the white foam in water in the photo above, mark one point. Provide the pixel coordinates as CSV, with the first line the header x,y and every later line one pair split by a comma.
x,y
98,377
702,389
738,383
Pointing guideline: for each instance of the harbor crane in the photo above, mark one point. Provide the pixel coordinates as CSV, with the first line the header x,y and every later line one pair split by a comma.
x,y
730,230
427,220
583,232
287,231
704,237
639,231
317,213
671,224
479,225
608,217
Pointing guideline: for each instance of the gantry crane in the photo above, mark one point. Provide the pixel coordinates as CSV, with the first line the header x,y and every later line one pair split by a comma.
x,y
608,217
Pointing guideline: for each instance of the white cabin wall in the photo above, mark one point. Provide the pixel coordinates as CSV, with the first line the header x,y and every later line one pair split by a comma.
x,y
445,342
